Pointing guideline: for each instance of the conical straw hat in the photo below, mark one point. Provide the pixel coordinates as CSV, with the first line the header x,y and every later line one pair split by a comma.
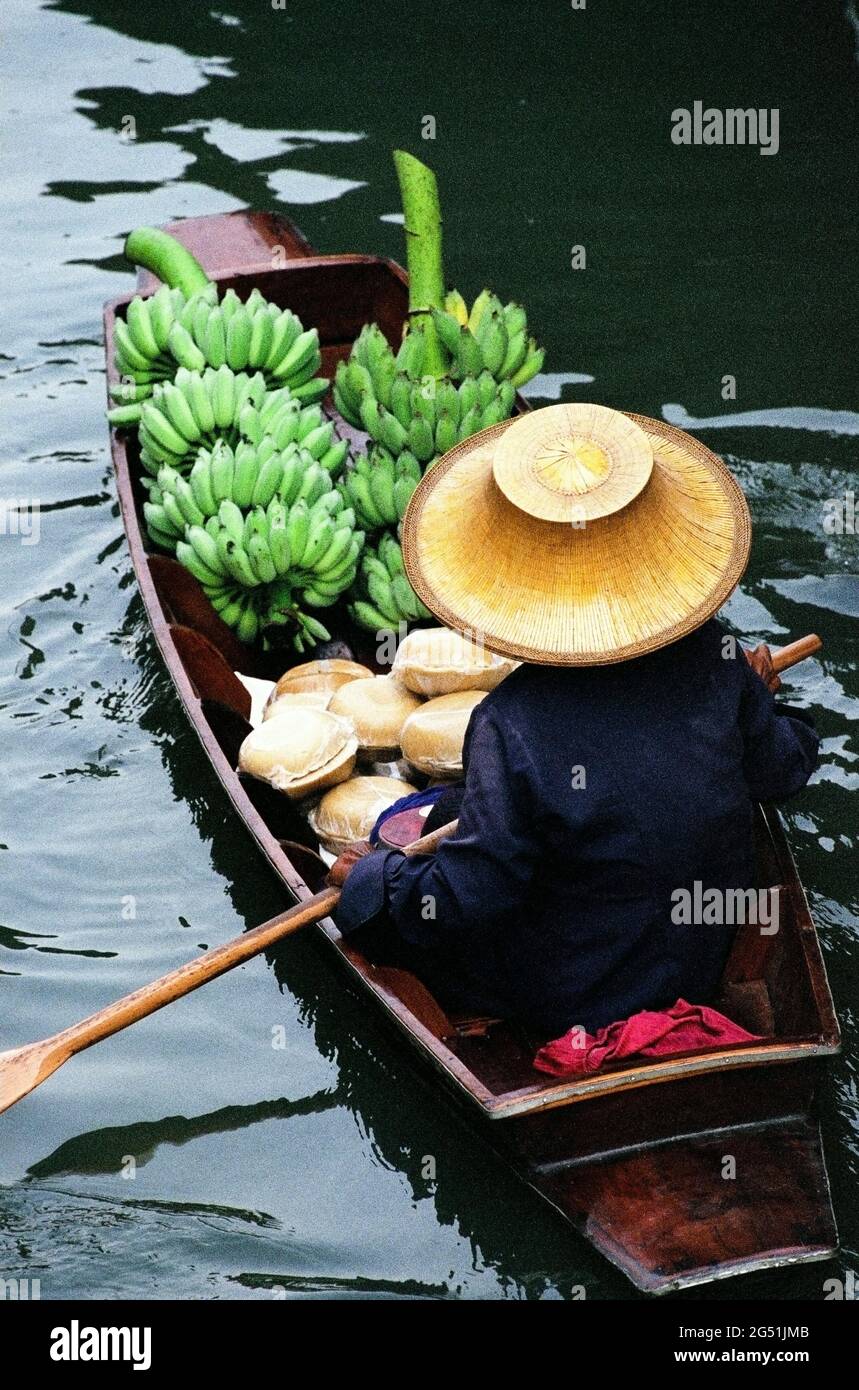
x,y
576,536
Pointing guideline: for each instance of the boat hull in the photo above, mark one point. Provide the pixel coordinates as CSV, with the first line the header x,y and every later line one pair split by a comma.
x,y
638,1159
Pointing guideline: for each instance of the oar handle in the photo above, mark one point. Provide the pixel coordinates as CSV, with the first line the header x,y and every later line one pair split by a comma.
x,y
211,964
796,651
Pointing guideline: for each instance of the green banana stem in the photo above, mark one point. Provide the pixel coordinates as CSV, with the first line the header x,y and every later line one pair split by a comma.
x,y
422,214
167,258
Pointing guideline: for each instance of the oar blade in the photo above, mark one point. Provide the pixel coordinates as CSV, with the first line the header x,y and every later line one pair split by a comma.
x,y
24,1068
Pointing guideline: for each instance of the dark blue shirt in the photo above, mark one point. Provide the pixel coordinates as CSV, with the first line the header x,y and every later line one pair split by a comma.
x,y
591,796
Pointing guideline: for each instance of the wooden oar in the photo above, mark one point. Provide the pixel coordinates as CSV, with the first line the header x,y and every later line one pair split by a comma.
x,y
24,1068
796,651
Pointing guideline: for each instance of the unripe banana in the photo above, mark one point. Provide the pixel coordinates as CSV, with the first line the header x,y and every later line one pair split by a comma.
x,y
345,402
232,520
304,350
206,549
180,413
317,597
315,629
223,467
369,617
137,318
515,319
268,481
317,442
199,399
517,350
159,427
421,440
286,331
455,304
448,328
467,394
493,414
187,556
493,340
239,565
246,472
224,397
403,490
248,625
261,559
238,339
161,317
158,523
262,335
330,560
382,487
278,539
470,423
321,535
200,479
230,304
468,356
391,555
391,432
366,508
131,354
184,349
249,423
531,366
477,309
194,515
445,434
382,595
298,527
215,344
410,358
334,459
487,389
405,597
124,416
292,476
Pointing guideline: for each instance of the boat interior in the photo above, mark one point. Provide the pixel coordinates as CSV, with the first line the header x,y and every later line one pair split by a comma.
x,y
774,985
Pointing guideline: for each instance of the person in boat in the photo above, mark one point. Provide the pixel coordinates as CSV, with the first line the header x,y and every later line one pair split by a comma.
x,y
619,764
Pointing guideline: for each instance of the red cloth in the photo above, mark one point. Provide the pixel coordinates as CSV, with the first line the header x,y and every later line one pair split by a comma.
x,y
682,1028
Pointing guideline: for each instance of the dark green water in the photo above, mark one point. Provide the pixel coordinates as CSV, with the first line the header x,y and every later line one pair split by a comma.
x,y
299,1169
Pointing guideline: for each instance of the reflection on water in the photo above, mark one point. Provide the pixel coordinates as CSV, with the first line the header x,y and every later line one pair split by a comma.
x,y
190,1156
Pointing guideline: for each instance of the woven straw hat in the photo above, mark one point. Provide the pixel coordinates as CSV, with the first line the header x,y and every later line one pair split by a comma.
x,y
576,536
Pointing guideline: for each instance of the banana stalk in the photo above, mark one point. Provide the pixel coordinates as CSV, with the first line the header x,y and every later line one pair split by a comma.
x,y
422,215
167,258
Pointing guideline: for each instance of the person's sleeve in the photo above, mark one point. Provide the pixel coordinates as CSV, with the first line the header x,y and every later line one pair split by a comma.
x,y
480,874
780,744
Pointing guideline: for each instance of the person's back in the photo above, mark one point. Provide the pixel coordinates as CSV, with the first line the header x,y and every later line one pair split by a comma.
x,y
624,793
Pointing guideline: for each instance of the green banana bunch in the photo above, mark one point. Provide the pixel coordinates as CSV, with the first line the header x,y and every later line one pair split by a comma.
x,y
491,337
193,411
197,408
379,486
424,418
266,533
168,331
383,597
286,421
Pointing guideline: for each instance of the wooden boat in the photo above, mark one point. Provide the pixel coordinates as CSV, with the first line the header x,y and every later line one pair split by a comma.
x,y
632,1156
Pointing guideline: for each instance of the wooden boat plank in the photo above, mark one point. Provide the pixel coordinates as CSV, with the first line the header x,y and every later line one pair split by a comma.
x,y
669,1217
